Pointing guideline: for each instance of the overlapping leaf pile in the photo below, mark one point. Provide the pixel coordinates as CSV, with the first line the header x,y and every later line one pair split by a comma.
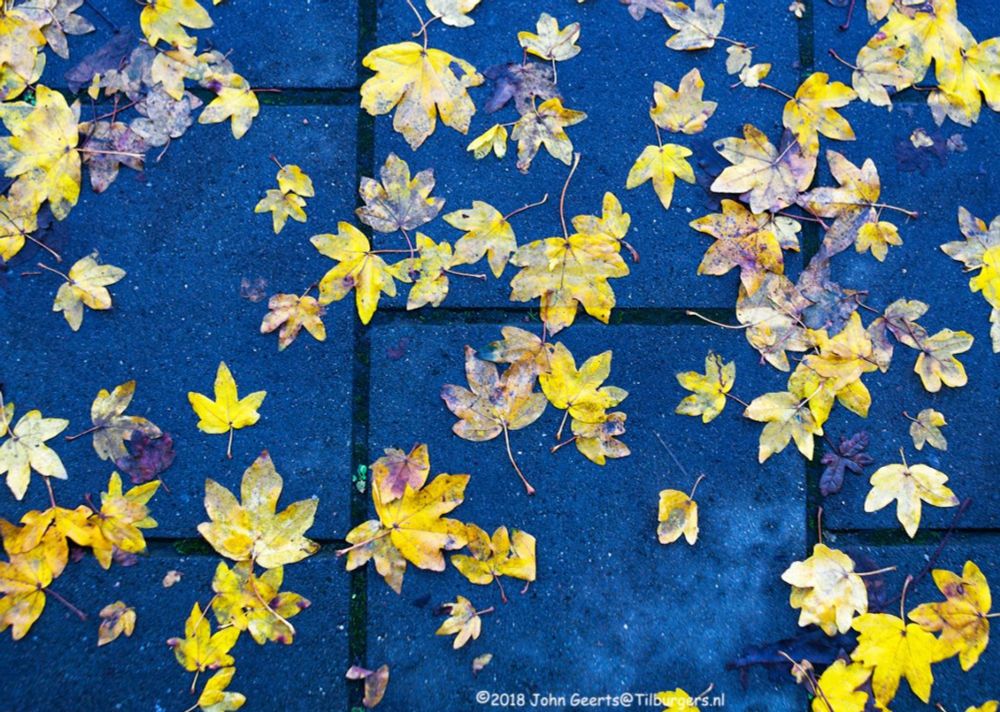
x,y
150,105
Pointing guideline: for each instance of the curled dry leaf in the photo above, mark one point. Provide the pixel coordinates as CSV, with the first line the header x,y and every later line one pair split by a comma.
x,y
116,618
827,590
375,683
290,313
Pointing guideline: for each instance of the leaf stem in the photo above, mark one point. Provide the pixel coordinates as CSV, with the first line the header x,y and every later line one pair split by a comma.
x,y
53,270
52,495
765,85
79,614
503,594
88,431
694,487
527,486
466,274
876,572
833,53
229,447
909,213
382,534
671,453
562,196
559,446
738,400
562,424
740,327
902,599
511,214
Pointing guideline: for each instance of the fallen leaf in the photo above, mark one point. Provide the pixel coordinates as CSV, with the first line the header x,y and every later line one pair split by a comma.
x,y
909,485
253,530
116,618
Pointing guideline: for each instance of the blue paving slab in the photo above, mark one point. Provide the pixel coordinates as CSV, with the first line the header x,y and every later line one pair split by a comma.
x,y
188,237
970,461
920,270
290,53
952,688
631,56
141,673
612,610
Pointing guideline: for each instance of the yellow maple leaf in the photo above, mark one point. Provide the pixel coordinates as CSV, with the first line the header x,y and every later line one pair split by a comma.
x,y
752,242
85,284
827,590
813,111
896,650
111,427
877,68
551,42
255,603
291,312
677,514
453,12
839,684
771,314
420,84
18,219
979,242
909,485
855,207
282,206
598,440
215,697
23,580
228,412
25,450
200,649
579,392
116,618
788,417
574,270
410,528
492,140
495,404
661,164
708,391
233,100
463,621
545,125
697,25
121,519
963,620
844,357
769,179
937,365
166,19
487,232
252,530
428,272
41,152
503,554
684,110
925,429
358,268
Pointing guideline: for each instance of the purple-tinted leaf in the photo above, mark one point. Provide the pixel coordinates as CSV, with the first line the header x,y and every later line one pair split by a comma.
x,y
850,456
148,457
